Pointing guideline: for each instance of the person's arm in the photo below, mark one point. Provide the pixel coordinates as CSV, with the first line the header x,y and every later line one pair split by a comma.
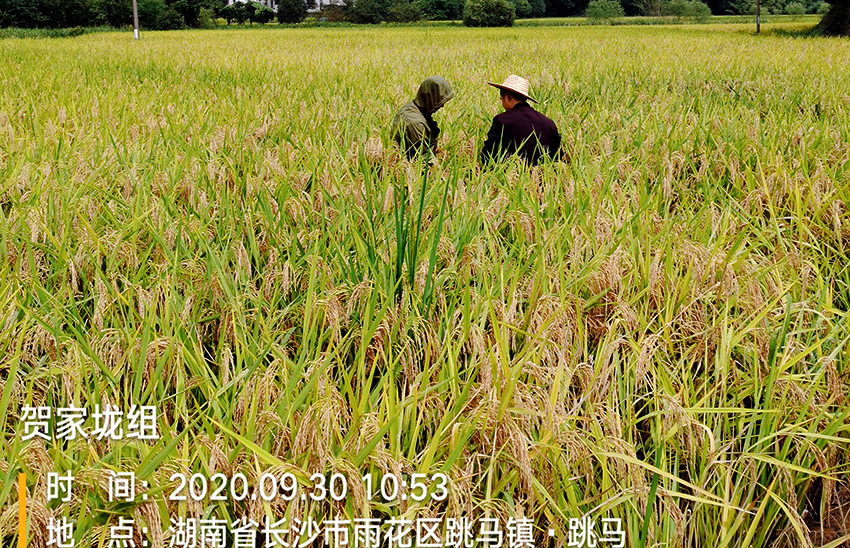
x,y
415,138
493,142
433,135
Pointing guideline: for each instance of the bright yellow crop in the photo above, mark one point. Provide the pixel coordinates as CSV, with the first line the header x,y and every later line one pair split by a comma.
x,y
216,223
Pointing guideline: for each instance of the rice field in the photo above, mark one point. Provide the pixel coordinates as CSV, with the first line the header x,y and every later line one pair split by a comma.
x,y
217,224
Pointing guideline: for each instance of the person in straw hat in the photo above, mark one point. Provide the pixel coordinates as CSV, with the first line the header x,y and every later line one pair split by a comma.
x,y
413,128
520,129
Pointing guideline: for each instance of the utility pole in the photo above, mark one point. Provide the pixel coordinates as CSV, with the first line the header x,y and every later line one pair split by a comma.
x,y
136,20
758,15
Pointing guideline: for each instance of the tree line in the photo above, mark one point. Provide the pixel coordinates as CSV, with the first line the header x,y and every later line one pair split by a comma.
x,y
176,14
153,14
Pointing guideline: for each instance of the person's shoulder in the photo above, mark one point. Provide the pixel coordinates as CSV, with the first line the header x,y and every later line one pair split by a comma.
x,y
513,116
524,110
501,117
410,111
542,117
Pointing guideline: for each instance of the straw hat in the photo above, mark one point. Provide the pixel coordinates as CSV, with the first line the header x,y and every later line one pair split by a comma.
x,y
516,84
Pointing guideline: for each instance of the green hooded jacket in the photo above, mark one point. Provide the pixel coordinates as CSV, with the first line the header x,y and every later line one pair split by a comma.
x,y
413,128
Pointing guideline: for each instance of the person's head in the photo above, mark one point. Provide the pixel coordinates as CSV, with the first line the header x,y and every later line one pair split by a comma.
x,y
511,99
513,91
433,93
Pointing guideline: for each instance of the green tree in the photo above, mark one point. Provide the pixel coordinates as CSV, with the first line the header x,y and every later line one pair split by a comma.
x,y
32,13
77,13
687,9
565,8
675,8
171,20
227,13
291,11
405,11
538,8
261,14
795,8
237,12
188,9
150,12
442,10
370,11
652,8
522,8
699,12
119,13
604,11
98,12
632,7
250,10
739,7
488,13
207,19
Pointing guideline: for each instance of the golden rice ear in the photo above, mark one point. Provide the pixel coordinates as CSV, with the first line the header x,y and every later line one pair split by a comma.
x,y
147,515
39,516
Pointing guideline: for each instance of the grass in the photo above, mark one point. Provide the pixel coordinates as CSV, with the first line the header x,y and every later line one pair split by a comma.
x,y
45,33
217,224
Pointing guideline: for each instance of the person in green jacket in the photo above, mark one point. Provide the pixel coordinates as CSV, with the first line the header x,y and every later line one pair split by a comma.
x,y
413,128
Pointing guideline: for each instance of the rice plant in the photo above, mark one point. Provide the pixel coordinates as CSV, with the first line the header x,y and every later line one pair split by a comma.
x,y
218,224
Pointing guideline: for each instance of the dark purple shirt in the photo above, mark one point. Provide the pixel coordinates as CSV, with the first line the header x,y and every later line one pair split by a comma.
x,y
523,131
